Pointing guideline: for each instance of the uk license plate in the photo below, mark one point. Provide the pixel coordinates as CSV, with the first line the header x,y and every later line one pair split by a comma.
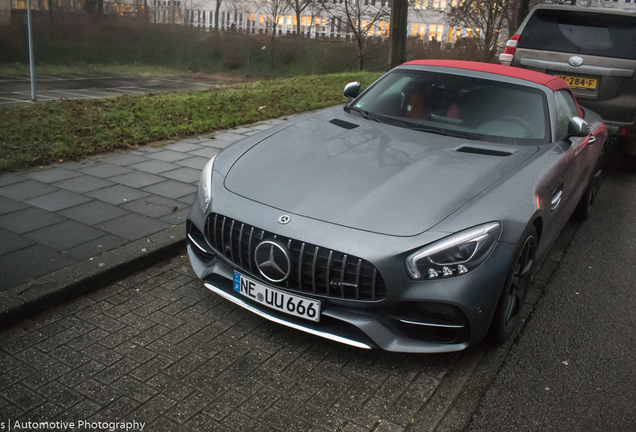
x,y
579,82
279,300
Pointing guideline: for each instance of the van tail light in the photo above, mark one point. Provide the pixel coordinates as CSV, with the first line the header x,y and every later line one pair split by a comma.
x,y
505,58
625,131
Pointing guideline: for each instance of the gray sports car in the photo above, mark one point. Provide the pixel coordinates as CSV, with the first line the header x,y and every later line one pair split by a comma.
x,y
411,219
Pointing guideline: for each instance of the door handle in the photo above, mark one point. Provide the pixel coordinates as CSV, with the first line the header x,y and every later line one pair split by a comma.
x,y
591,139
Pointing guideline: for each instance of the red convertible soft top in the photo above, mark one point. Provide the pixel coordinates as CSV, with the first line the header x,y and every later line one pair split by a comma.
x,y
552,82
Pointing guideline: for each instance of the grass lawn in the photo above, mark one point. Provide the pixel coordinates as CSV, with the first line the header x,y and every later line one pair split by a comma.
x,y
69,129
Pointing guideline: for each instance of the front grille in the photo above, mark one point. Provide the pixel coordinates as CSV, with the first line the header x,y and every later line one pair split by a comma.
x,y
315,269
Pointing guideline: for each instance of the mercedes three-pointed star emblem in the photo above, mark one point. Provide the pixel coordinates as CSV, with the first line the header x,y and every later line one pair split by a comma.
x,y
272,261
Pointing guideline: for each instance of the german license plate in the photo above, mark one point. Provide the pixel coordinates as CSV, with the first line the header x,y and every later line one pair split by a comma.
x,y
579,82
281,301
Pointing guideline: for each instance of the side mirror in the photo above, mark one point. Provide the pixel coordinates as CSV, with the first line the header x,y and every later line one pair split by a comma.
x,y
352,90
577,127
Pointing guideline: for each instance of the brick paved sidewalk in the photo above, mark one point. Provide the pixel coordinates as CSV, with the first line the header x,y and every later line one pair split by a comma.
x,y
158,347
66,215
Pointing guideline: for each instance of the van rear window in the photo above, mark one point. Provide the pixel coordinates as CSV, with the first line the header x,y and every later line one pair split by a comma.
x,y
600,34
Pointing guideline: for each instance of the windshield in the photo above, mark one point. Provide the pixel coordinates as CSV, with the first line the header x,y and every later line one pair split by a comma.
x,y
598,34
456,105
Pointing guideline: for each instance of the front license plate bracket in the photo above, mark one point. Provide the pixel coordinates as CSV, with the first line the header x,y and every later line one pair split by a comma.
x,y
273,298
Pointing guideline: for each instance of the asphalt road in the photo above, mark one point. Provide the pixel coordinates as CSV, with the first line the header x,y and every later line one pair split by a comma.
x,y
573,366
16,89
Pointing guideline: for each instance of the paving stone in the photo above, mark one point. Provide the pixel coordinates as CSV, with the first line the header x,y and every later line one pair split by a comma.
x,y
93,212
104,170
29,219
168,155
22,397
10,242
188,199
176,218
122,159
84,184
8,205
98,392
117,194
10,178
186,175
58,200
132,226
27,189
137,179
154,206
65,235
155,166
183,146
228,136
197,162
30,262
52,175
207,152
171,189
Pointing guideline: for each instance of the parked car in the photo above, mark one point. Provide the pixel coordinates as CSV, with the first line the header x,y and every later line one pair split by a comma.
x,y
594,50
410,220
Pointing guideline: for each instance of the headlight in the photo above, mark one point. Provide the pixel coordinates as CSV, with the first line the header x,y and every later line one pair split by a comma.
x,y
454,255
205,185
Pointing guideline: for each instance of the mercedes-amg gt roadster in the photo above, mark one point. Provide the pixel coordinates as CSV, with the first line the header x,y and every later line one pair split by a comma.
x,y
411,219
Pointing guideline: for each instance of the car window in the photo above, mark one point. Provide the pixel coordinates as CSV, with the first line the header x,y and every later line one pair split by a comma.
x,y
450,104
565,110
600,34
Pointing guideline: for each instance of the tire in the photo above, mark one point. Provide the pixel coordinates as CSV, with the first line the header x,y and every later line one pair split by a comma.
x,y
508,311
584,207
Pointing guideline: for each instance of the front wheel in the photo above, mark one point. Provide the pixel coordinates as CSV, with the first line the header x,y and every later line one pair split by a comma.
x,y
513,295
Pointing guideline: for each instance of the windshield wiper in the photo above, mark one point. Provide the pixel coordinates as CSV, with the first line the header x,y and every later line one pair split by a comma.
x,y
365,114
445,132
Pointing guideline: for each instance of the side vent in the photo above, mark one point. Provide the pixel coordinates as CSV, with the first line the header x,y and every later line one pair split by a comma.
x,y
343,124
484,151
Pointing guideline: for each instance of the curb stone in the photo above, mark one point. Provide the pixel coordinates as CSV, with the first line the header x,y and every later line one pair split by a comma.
x,y
38,295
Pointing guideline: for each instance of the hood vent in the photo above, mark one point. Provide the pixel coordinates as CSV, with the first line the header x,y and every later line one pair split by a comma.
x,y
484,151
343,124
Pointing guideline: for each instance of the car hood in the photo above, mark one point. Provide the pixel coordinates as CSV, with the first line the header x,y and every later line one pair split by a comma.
x,y
373,177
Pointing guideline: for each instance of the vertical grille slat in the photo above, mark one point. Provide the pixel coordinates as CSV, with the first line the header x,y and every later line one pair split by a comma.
x,y
224,252
240,242
232,240
328,271
289,247
375,273
249,249
313,270
307,261
342,275
358,279
216,243
300,267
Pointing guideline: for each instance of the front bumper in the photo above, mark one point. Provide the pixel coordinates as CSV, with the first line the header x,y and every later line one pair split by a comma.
x,y
419,317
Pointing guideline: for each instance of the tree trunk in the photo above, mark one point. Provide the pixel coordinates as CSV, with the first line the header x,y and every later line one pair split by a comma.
x,y
360,53
397,36
524,9
216,17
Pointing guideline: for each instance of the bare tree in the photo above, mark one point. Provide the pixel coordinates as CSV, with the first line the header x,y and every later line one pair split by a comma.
x,y
359,18
298,6
489,16
275,11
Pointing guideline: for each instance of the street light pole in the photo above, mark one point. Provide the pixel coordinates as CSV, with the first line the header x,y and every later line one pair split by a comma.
x,y
31,55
